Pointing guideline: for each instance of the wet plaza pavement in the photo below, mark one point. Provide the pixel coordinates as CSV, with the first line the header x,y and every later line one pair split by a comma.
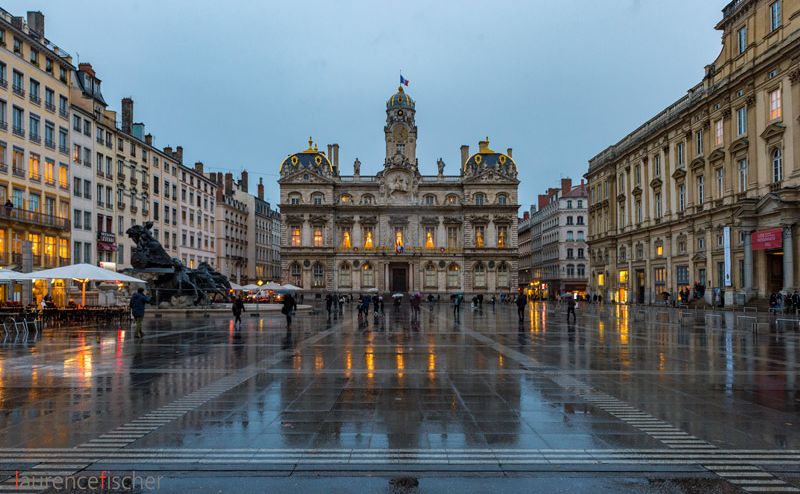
x,y
623,400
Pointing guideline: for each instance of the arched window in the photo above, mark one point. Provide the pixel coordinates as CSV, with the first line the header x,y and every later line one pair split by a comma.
x,y
367,199
480,199
452,199
581,271
345,280
317,276
777,165
479,275
367,275
502,275
317,198
295,198
296,274
502,199
345,198
430,200
430,275
570,270
454,276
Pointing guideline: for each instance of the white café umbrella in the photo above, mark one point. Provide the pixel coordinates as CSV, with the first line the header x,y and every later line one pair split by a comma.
x,y
10,275
271,285
291,288
82,273
251,287
236,287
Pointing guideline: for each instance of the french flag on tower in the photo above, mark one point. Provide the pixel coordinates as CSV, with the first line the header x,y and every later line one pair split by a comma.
x,y
403,80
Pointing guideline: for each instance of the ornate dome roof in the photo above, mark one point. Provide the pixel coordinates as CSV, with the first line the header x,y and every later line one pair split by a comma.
x,y
487,158
310,158
400,100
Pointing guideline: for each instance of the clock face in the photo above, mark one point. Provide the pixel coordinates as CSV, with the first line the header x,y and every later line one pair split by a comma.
x,y
399,113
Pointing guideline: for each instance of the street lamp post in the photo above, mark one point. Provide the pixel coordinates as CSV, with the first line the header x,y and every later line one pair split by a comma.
x,y
258,297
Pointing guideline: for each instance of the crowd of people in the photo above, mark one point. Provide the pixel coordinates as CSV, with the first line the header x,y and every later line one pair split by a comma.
x,y
784,302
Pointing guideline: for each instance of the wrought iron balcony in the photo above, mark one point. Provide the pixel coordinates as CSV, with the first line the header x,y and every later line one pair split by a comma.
x,y
34,218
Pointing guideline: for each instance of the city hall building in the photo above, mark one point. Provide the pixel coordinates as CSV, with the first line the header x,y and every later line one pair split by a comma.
x,y
400,230
707,192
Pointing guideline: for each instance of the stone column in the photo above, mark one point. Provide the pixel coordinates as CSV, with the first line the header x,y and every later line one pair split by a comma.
x,y
788,258
748,262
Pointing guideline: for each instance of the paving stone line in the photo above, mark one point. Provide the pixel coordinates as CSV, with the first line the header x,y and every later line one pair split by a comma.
x,y
748,479
165,414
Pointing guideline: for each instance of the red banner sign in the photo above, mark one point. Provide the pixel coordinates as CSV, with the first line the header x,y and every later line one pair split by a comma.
x,y
768,239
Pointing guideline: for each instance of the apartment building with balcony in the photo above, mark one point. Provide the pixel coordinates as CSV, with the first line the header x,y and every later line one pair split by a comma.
x,y
559,254
232,222
35,78
198,196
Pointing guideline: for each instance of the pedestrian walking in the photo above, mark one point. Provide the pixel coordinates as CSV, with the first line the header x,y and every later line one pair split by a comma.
x,y
289,305
137,304
521,303
237,308
571,309
328,304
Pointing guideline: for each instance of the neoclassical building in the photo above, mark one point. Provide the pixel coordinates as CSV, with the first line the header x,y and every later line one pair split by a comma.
x,y
400,230
708,190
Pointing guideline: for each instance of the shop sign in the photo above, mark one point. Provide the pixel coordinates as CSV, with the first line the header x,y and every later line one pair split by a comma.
x,y
768,239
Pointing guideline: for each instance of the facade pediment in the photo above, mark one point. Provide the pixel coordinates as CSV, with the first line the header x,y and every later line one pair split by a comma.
x,y
698,162
679,173
717,155
656,183
773,131
318,219
344,220
368,220
739,145
478,218
452,220
637,191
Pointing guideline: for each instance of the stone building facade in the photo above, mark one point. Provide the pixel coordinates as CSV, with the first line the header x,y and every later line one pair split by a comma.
x,y
707,191
400,230
197,217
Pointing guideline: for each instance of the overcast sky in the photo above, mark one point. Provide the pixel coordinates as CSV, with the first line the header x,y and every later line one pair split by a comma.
x,y
241,84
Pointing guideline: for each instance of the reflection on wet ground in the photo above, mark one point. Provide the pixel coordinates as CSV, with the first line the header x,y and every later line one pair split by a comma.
x,y
618,379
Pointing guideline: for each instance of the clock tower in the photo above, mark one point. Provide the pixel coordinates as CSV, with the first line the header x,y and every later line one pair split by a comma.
x,y
401,129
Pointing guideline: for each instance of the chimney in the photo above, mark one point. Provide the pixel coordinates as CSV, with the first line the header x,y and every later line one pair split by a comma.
x,y
17,21
148,139
127,115
137,130
244,182
509,152
261,188
36,22
168,151
526,216
198,167
228,183
330,152
179,154
483,146
544,200
464,155
336,156
87,68
566,186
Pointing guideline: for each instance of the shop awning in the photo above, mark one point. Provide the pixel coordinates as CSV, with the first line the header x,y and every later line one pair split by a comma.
x,y
106,247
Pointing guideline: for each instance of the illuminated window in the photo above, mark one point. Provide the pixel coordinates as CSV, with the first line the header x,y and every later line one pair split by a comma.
x,y
345,199
50,250
367,275
63,176
368,242
429,234
346,237
601,279
36,243
49,171
502,236
775,104
452,199
296,236
659,250
623,276
33,163
479,236
398,239
318,239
